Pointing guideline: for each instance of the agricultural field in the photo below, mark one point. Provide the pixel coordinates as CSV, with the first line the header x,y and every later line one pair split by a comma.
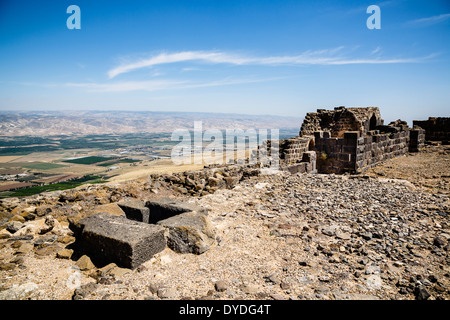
x,y
4,159
43,166
87,160
30,165
24,145
52,187
117,161
38,164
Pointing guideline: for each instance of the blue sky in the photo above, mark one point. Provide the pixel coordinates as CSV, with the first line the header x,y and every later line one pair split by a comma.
x,y
252,57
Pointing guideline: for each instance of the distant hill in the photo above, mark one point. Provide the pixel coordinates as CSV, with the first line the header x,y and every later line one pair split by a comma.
x,y
47,123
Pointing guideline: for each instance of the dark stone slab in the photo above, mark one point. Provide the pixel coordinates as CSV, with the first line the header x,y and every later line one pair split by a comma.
x,y
189,232
135,210
107,238
163,208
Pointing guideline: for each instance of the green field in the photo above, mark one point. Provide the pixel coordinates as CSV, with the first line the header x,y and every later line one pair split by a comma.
x,y
23,145
43,166
52,187
109,163
88,160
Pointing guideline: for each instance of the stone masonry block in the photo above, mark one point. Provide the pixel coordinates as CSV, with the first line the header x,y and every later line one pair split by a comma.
x,y
189,232
309,156
107,238
135,210
297,168
164,208
351,135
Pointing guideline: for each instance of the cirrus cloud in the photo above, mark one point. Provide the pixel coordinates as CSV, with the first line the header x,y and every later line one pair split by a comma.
x,y
158,85
430,20
318,57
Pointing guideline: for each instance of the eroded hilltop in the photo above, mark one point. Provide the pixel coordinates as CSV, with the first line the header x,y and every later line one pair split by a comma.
x,y
381,235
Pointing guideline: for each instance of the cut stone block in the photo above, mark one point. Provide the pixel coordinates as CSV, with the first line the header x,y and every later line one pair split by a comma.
x,y
107,238
164,208
135,210
297,168
189,232
111,208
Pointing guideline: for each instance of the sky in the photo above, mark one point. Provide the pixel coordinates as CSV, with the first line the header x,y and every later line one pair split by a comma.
x,y
252,57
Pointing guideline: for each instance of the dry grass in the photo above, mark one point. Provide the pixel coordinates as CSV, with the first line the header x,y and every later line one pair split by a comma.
x,y
4,159
57,155
162,166
77,170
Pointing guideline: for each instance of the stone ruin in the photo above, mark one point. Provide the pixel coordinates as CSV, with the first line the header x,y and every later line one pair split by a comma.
x,y
436,129
330,141
347,140
147,228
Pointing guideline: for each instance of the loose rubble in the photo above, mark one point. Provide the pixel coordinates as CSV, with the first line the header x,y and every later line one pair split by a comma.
x,y
277,236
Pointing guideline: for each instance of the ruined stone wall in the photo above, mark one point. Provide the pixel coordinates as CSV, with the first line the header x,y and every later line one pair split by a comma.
x,y
291,150
379,147
416,139
355,153
208,180
335,155
344,123
341,120
350,140
294,154
436,129
306,165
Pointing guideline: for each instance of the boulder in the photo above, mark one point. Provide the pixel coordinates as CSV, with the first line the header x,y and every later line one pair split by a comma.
x,y
216,182
18,218
85,263
23,291
231,182
31,227
43,210
64,254
111,270
221,286
14,226
48,225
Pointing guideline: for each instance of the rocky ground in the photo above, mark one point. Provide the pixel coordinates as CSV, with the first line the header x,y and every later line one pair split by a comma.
x,y
381,235
428,169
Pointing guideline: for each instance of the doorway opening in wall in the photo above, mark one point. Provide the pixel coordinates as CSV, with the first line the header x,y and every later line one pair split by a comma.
x,y
373,123
311,145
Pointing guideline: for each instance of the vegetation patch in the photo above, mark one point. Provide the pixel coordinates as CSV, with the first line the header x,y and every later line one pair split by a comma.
x,y
109,163
43,166
91,179
87,160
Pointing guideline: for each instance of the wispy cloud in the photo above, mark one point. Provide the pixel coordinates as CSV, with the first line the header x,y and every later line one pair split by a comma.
x,y
318,57
376,50
150,85
189,69
157,85
430,20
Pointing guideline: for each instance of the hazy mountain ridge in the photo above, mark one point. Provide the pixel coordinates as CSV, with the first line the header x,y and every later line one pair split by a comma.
x,y
47,123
